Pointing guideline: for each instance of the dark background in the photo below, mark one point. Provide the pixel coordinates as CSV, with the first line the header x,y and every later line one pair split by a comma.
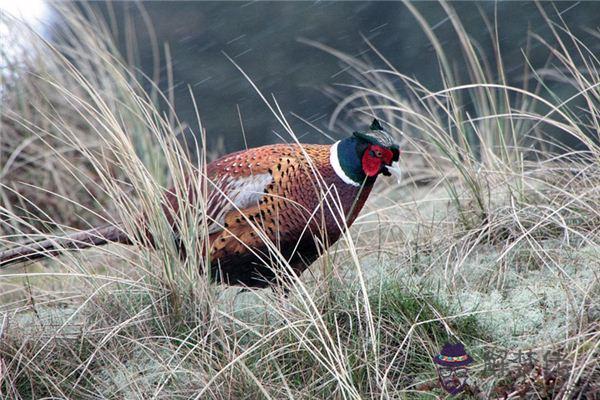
x,y
263,38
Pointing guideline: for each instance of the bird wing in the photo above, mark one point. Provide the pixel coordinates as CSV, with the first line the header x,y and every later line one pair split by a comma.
x,y
249,181
234,183
234,194
286,204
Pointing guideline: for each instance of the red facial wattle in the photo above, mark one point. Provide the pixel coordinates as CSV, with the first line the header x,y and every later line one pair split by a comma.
x,y
374,157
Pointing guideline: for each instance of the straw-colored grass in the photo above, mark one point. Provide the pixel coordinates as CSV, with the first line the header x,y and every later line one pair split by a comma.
x,y
491,240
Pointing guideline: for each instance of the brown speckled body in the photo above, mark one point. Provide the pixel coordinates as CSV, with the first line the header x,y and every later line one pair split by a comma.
x,y
266,209
283,196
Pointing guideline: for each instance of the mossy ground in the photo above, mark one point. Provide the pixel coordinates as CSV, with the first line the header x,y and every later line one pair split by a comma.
x,y
126,341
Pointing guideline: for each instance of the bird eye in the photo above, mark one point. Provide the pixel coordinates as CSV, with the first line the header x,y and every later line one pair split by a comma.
x,y
378,154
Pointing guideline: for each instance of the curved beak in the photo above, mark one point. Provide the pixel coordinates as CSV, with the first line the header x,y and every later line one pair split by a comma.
x,y
395,171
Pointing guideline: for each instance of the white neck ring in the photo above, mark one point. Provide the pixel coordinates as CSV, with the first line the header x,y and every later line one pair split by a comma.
x,y
335,163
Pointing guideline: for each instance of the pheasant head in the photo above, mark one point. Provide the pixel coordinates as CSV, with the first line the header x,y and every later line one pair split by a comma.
x,y
365,155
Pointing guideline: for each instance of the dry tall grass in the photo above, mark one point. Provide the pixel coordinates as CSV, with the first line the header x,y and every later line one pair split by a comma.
x,y
491,240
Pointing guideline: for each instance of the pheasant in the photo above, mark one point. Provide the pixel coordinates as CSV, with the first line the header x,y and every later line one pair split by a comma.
x,y
297,197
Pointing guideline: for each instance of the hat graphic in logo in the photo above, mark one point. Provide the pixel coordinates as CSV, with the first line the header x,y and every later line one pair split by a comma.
x,y
452,367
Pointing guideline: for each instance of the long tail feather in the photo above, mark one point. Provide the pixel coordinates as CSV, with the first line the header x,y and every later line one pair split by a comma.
x,y
52,247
